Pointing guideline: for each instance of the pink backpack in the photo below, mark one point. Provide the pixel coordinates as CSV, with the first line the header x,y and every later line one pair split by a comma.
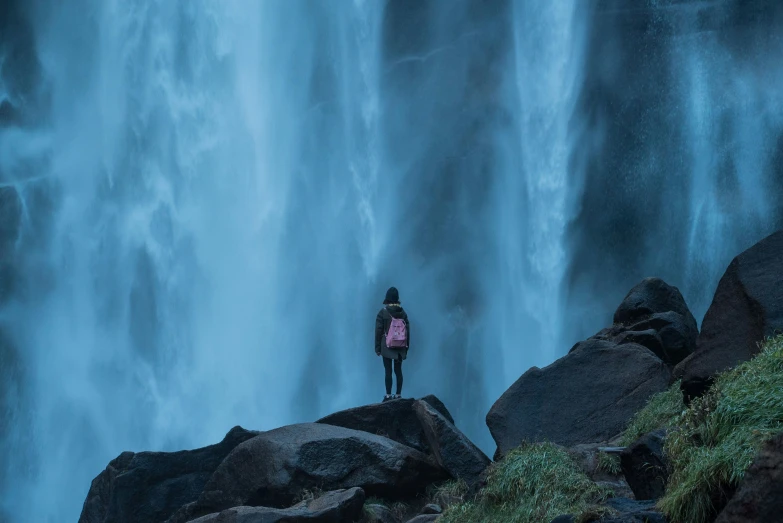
x,y
398,335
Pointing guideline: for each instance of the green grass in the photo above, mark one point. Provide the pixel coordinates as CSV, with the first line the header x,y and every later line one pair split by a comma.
x,y
533,483
609,463
449,493
662,411
719,434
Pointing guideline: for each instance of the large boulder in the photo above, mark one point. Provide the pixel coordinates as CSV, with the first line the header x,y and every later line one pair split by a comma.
x,y
645,467
452,449
394,419
332,507
648,297
584,397
758,498
150,486
654,315
746,308
274,467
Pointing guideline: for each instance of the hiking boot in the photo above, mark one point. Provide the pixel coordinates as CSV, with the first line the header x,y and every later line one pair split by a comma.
x,y
387,397
396,397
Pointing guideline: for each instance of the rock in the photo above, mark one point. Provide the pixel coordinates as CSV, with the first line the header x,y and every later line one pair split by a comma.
x,y
593,344
431,508
332,507
758,498
150,486
395,420
439,406
586,396
645,467
632,511
425,518
650,296
453,451
566,518
646,338
375,513
670,335
272,468
747,307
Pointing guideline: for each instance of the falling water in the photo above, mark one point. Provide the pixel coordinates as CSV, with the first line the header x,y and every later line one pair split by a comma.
x,y
203,202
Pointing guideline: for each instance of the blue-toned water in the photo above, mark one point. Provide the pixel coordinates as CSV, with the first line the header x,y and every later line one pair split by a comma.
x,y
202,203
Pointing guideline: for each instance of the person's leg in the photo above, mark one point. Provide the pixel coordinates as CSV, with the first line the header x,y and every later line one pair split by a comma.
x,y
398,375
387,366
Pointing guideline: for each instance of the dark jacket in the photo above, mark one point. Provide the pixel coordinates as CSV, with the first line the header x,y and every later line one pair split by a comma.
x,y
382,324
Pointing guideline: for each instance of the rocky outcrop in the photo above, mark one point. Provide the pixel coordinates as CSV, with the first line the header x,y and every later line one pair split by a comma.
x,y
644,466
654,315
747,307
274,467
586,396
758,498
150,486
332,507
395,420
648,297
453,451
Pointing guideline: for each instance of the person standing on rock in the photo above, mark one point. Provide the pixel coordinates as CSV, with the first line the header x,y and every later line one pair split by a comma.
x,y
392,339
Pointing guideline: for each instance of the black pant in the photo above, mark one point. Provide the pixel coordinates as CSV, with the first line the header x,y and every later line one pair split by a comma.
x,y
387,365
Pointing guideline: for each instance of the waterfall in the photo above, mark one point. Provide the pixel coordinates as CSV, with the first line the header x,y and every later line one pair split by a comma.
x,y
202,204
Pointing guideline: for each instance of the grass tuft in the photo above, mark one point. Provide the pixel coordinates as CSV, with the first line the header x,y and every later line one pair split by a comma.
x,y
533,483
609,463
662,411
719,434
449,493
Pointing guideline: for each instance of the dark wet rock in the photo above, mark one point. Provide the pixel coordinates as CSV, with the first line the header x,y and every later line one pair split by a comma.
x,y
150,486
274,467
746,308
647,338
653,315
644,465
648,297
375,513
431,508
395,420
758,498
331,507
425,518
438,405
632,511
586,396
453,451
593,344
